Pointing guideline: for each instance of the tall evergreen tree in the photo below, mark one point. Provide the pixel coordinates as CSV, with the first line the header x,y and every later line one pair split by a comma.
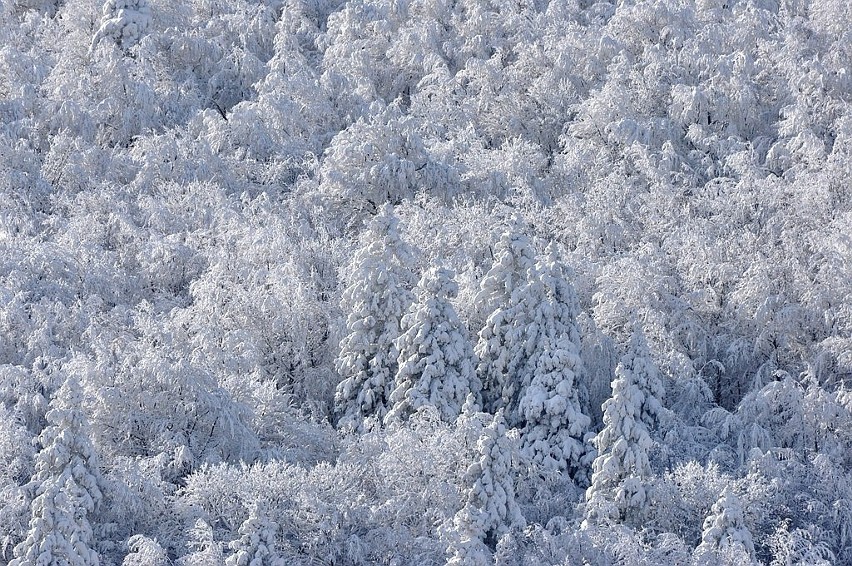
x,y
555,428
374,302
436,361
647,378
66,487
502,347
490,510
617,491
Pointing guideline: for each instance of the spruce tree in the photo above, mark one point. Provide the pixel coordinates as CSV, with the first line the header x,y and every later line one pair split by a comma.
x,y
256,545
374,302
145,551
66,487
617,491
490,510
724,531
555,429
647,378
124,22
436,361
502,345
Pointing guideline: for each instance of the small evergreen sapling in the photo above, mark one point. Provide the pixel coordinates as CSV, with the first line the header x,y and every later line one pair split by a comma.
x,y
724,531
145,551
124,22
256,545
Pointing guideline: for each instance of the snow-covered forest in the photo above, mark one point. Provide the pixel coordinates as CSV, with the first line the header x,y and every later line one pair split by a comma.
x,y
425,282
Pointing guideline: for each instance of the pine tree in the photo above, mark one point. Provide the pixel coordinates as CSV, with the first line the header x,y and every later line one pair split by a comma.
x,y
436,361
66,483
555,427
617,491
724,530
490,510
375,302
205,550
501,346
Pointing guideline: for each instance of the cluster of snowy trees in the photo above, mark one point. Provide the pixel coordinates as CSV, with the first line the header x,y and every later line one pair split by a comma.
x,y
425,282
406,351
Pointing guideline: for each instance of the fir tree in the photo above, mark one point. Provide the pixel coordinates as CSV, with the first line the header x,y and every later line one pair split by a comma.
x,y
145,551
375,301
205,550
555,427
647,378
124,22
436,362
66,487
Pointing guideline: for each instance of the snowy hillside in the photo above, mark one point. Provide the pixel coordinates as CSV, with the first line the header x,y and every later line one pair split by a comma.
x,y
425,282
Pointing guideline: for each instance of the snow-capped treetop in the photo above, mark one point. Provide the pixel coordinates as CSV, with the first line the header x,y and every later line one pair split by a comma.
x,y
378,159
256,545
646,376
65,441
145,551
554,423
124,22
514,256
67,489
616,491
385,226
490,509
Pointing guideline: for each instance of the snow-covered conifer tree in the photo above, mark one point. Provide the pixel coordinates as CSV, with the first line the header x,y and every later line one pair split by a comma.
x,y
436,361
374,303
205,549
66,487
490,510
646,377
724,531
617,491
555,427
501,345
145,551
256,545
123,21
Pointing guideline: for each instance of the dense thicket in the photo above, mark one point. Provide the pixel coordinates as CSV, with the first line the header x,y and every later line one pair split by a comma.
x,y
213,216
